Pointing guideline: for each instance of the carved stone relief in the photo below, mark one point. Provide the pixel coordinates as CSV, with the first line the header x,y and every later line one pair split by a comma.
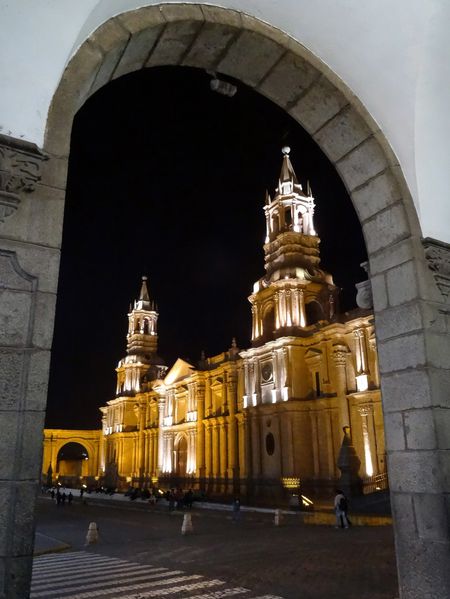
x,y
20,167
437,254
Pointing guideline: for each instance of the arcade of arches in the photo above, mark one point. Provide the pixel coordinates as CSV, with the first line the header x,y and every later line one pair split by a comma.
x,y
409,276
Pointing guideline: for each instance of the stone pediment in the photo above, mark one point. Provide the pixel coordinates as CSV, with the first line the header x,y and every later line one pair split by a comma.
x,y
180,370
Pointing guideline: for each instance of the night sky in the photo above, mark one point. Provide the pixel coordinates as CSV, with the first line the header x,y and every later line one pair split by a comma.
x,y
167,178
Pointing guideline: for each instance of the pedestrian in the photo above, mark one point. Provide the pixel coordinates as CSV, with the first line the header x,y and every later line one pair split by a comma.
x,y
58,498
341,509
171,499
63,498
52,494
70,497
188,499
81,493
236,509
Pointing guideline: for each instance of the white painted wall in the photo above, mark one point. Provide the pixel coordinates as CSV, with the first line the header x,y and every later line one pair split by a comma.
x,y
393,55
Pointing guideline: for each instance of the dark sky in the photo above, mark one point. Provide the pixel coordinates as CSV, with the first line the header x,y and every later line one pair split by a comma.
x,y
167,178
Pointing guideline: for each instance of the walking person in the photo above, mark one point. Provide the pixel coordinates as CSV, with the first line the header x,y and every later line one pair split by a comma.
x,y
341,509
236,510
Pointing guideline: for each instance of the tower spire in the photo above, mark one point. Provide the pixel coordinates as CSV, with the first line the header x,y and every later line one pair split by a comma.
x,y
288,179
144,296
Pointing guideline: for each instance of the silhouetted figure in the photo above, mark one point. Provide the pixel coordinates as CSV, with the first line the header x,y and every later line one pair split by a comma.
x,y
70,497
236,509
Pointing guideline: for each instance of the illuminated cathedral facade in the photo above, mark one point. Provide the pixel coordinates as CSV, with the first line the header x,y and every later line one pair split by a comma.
x,y
300,408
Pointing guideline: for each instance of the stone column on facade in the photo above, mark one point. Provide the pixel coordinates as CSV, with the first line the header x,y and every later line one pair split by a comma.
x,y
302,309
331,458
255,445
161,404
200,458
340,361
315,443
233,463
223,440
366,412
208,398
208,453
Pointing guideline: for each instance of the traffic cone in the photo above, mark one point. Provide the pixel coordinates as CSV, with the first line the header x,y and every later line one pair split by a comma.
x,y
187,524
92,534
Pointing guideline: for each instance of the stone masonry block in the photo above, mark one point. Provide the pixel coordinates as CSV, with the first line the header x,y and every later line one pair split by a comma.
x,y
8,445
289,78
14,317
73,89
173,43
402,284
398,321
108,66
109,35
414,472
142,19
209,45
403,512
38,261
423,567
438,350
376,195
319,104
25,493
54,172
182,12
39,218
222,16
31,440
266,30
363,163
250,58
342,133
406,390
402,352
420,429
138,50
37,381
391,256
11,368
386,228
444,464
19,575
442,419
394,431
43,320
379,292
431,516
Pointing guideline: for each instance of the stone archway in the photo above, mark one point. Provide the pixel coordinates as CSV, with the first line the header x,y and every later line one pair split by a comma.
x,y
181,453
411,317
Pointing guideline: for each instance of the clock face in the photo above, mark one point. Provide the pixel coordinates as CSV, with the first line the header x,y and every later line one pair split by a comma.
x,y
267,372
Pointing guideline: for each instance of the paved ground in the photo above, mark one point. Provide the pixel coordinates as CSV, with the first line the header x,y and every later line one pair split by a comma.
x,y
252,558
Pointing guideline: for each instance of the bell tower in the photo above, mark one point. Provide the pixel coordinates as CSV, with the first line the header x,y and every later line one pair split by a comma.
x,y
142,337
295,292
141,364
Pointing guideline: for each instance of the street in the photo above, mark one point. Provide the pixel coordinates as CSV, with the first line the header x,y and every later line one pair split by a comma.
x,y
142,553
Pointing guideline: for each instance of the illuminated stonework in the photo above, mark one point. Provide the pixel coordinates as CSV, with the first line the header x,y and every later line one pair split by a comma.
x,y
265,419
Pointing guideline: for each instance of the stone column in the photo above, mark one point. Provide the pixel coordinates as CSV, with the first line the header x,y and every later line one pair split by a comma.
x,y
223,452
161,403
340,361
366,412
31,213
233,464
208,456
200,459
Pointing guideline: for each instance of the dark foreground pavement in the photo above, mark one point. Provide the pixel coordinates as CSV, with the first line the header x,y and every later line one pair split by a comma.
x,y
294,561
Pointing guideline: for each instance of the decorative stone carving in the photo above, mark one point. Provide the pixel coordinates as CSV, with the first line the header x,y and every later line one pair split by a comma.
x,y
437,254
364,298
20,166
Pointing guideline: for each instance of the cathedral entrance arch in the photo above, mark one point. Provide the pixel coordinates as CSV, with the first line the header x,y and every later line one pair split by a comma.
x,y
409,308
72,463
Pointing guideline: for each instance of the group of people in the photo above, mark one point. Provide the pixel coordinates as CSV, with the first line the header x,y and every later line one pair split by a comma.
x,y
61,496
178,499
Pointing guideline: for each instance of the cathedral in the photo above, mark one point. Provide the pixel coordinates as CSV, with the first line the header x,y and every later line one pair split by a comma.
x,y
298,410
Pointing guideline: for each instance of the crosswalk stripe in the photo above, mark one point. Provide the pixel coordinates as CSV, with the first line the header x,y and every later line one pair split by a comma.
x,y
85,575
220,594
161,592
79,563
125,571
150,583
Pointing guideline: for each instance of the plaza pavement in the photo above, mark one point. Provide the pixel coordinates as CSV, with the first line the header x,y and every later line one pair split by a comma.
x,y
141,553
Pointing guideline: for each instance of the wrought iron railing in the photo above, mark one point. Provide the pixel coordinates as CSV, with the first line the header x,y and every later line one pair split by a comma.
x,y
378,482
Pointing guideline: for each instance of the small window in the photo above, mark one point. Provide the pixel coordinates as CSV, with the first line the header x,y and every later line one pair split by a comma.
x,y
318,391
270,444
